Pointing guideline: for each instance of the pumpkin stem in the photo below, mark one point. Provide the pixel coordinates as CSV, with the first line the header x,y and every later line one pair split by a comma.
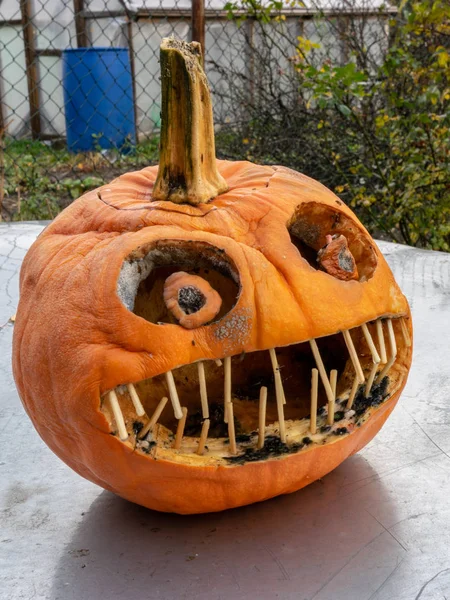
x,y
187,170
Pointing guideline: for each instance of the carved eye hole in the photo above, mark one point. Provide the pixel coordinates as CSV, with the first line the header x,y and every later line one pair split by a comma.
x,y
179,282
331,241
191,299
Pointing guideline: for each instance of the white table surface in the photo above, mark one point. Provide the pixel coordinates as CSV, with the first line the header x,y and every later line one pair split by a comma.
x,y
377,528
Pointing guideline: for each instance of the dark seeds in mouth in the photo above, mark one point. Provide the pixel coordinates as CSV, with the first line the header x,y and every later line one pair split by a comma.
x,y
377,395
148,449
243,437
137,426
340,431
217,428
273,447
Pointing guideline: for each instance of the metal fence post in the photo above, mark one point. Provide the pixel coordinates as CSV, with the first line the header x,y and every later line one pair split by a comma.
x,y
250,57
198,24
80,23
3,124
133,73
31,68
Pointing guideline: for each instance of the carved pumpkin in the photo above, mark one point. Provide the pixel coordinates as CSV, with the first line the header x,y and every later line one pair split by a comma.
x,y
207,334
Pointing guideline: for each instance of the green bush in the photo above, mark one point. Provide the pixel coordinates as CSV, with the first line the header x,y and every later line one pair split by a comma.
x,y
378,134
41,180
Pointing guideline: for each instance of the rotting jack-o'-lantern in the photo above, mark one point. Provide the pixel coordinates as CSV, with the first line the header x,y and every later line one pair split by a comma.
x,y
207,334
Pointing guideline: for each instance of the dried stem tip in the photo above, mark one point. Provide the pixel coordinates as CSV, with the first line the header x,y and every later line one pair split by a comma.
x,y
187,170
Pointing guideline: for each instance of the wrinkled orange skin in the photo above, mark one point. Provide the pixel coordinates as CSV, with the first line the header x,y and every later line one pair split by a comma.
x,y
74,339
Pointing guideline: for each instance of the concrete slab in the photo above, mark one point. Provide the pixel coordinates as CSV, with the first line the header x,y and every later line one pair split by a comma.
x,y
377,528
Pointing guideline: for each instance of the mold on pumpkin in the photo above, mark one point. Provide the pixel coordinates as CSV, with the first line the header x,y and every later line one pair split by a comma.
x,y
207,334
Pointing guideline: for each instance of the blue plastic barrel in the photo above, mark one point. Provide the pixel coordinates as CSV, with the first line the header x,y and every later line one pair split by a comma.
x,y
98,98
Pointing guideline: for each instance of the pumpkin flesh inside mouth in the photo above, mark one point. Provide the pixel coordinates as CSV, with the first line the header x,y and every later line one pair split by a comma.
x,y
213,412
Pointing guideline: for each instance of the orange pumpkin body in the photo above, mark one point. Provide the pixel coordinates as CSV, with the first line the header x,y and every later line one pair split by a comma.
x,y
75,339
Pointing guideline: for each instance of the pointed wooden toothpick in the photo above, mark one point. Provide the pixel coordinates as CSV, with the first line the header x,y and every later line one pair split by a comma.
x,y
262,417
226,388
174,395
276,373
393,351
279,393
369,383
353,355
353,391
154,418
180,428
118,416
380,336
203,391
405,332
321,369
203,437
331,405
314,393
231,432
373,350
136,400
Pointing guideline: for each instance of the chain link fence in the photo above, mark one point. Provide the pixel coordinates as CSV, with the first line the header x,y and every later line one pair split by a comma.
x,y
250,51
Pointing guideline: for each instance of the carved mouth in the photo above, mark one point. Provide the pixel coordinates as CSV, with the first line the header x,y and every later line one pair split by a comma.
x,y
266,403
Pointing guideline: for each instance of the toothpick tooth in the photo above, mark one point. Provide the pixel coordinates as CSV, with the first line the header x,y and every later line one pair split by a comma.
x,y
333,381
369,383
118,416
154,418
231,432
380,335
353,355
392,340
218,362
180,429
393,351
373,350
279,393
331,405
375,358
140,411
405,332
281,423
314,392
262,417
321,368
203,392
386,369
276,373
353,393
203,437
174,395
226,388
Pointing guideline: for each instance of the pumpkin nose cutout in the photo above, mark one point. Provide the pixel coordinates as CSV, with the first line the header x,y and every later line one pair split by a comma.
x,y
191,300
336,259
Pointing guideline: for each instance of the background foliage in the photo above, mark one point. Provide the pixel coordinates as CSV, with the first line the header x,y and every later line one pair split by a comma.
x,y
377,132
372,124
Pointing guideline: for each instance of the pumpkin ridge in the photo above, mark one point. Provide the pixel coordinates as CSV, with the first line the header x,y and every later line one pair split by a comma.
x,y
148,207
